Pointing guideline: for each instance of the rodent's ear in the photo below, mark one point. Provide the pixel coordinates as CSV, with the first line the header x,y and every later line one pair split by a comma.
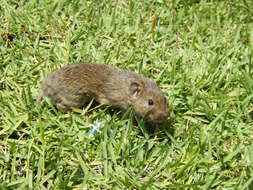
x,y
135,89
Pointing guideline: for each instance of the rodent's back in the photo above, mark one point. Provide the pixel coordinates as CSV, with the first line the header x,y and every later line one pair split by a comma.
x,y
79,75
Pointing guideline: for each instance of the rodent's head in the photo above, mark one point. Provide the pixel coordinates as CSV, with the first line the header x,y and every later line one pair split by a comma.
x,y
148,100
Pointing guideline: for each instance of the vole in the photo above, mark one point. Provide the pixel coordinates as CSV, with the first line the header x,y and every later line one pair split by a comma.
x,y
76,84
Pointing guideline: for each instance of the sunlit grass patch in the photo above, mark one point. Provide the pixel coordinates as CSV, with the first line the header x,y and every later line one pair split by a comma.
x,y
200,54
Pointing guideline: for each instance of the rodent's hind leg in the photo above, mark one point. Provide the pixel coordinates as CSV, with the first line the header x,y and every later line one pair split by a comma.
x,y
66,103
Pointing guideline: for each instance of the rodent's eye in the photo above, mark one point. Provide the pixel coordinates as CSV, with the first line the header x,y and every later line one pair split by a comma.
x,y
150,102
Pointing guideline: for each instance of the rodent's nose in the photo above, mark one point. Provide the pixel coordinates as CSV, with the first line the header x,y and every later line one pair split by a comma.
x,y
162,116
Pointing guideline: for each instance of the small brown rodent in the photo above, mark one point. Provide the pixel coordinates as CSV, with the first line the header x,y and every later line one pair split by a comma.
x,y
74,85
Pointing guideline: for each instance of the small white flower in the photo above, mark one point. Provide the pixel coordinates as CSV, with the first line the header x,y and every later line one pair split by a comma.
x,y
95,127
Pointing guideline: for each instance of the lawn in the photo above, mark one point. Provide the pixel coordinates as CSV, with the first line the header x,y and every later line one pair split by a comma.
x,y
198,51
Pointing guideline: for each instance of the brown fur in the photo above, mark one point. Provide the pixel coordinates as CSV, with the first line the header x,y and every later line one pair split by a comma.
x,y
74,85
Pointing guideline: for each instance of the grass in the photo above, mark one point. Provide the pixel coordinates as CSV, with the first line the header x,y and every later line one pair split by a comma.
x,y
200,54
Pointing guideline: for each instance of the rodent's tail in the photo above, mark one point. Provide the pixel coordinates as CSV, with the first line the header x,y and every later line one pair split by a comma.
x,y
39,96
